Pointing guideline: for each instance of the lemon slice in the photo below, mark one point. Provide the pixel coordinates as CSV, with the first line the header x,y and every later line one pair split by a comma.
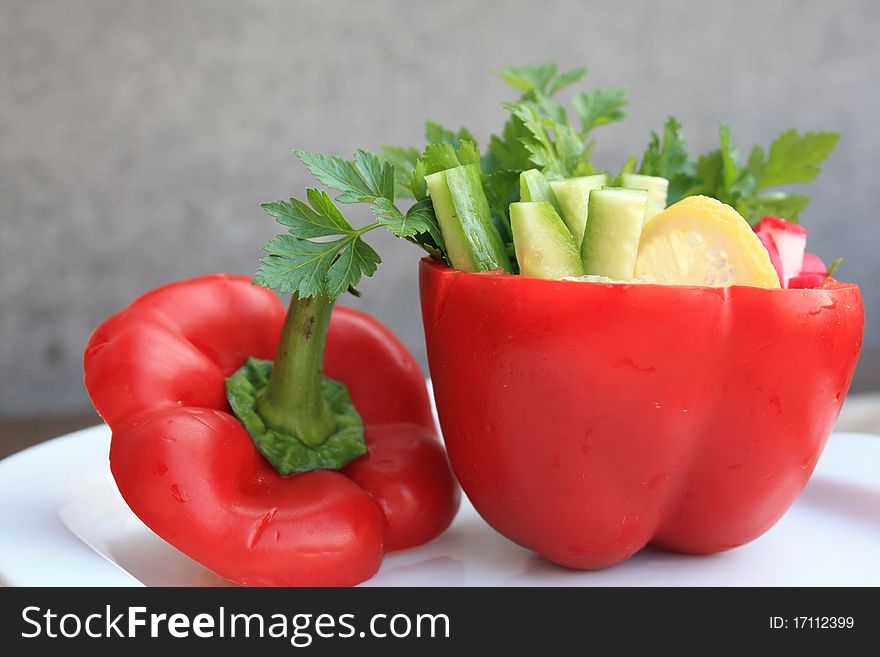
x,y
701,241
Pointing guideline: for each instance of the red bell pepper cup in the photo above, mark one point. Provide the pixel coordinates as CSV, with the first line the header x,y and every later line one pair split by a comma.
x,y
586,421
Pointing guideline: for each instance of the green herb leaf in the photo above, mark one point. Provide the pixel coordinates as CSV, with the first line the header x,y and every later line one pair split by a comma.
x,y
303,221
528,78
565,79
436,133
708,174
668,158
834,266
418,185
359,259
796,158
542,79
508,151
404,161
539,131
376,173
792,158
600,107
368,178
439,157
468,153
418,219
775,204
631,164
729,158
421,217
296,265
363,180
502,189
554,147
442,156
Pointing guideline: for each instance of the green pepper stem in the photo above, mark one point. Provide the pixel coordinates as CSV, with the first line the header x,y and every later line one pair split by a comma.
x,y
294,400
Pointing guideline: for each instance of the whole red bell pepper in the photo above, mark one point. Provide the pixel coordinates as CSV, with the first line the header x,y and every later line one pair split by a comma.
x,y
586,420
188,468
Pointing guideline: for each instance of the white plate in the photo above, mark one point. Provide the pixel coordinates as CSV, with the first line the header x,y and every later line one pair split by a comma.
x,y
62,522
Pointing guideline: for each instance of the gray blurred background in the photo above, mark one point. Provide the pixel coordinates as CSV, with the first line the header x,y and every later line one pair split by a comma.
x,y
138,138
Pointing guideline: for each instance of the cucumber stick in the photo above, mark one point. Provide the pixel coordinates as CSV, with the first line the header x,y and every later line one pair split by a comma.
x,y
472,241
656,187
611,237
544,246
533,186
572,195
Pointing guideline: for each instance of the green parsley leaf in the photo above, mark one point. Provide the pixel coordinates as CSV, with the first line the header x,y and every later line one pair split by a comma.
x,y
553,146
668,158
709,175
421,217
366,178
418,185
303,221
502,189
373,179
436,133
357,260
306,268
539,131
565,79
403,160
508,152
442,156
775,204
792,158
729,159
600,107
376,173
468,153
418,219
796,158
834,265
439,157
295,264
528,78
542,79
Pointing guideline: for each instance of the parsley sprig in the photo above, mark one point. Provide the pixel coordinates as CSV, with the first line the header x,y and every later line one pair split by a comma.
x,y
539,131
305,262
323,254
751,186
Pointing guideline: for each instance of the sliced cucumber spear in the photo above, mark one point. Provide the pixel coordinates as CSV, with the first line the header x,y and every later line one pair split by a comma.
x,y
656,187
611,237
544,246
573,195
533,186
472,240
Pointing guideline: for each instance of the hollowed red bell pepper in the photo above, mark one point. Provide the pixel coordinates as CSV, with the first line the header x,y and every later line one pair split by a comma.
x,y
188,468
585,421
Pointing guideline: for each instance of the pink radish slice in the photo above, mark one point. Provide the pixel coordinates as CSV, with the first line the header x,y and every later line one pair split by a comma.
x,y
807,280
791,242
768,243
813,264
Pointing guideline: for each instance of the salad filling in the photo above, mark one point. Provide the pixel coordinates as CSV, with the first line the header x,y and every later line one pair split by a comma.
x,y
532,197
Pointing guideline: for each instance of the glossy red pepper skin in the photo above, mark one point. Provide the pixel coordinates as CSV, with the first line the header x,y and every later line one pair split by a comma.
x,y
585,421
156,373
